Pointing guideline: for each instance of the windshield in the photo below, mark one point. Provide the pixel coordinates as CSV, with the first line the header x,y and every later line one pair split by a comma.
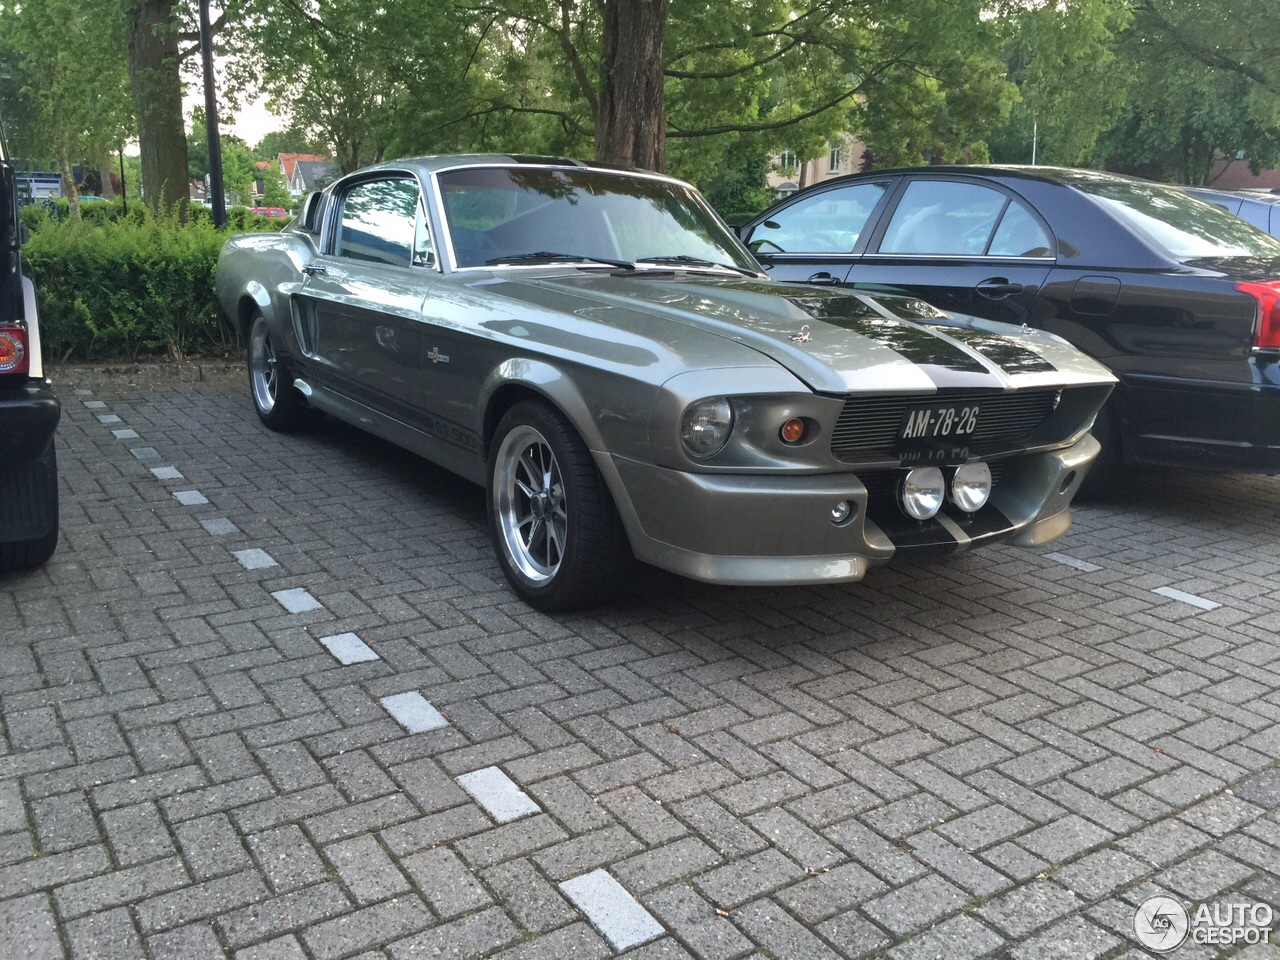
x,y
1183,226
532,213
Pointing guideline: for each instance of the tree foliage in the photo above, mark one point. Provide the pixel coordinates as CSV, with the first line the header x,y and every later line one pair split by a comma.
x,y
65,100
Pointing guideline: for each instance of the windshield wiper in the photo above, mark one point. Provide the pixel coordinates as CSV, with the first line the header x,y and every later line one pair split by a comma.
x,y
686,260
550,256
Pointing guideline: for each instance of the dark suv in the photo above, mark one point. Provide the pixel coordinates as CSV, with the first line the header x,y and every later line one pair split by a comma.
x,y
29,410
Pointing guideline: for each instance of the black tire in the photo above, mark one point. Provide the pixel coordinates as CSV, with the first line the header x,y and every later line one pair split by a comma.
x,y
39,494
554,525
278,403
1106,471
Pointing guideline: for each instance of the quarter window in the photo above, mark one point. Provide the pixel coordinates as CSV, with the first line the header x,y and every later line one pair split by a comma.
x,y
825,222
948,218
379,222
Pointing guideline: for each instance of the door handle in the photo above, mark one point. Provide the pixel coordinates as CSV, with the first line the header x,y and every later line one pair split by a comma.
x,y
997,288
312,269
823,279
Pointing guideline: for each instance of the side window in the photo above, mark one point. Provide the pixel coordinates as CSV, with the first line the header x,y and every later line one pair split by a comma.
x,y
378,222
1019,235
825,222
943,217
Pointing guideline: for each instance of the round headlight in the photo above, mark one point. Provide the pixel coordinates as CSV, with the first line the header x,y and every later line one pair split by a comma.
x,y
922,491
705,427
971,486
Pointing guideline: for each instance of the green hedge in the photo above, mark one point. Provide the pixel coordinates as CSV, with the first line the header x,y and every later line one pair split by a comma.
x,y
117,287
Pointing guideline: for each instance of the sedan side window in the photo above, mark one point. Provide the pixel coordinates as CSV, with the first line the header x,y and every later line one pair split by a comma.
x,y
1019,235
825,222
943,217
379,219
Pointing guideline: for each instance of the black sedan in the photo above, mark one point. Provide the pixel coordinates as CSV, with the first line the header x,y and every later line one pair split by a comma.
x,y
1179,298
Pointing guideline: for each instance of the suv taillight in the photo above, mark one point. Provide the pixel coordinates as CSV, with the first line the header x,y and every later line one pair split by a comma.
x,y
13,349
1266,333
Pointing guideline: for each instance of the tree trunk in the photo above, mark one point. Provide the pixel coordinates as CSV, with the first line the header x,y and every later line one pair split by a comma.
x,y
69,190
157,96
631,128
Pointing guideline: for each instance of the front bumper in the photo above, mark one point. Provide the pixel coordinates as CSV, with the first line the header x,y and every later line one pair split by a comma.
x,y
777,528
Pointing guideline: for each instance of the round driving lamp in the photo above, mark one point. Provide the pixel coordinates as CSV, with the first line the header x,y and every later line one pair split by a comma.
x,y
923,489
971,486
705,427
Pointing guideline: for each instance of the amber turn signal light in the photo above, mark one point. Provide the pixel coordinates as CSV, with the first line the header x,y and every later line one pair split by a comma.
x,y
792,431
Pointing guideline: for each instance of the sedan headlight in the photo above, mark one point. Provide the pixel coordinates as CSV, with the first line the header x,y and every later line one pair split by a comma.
x,y
705,427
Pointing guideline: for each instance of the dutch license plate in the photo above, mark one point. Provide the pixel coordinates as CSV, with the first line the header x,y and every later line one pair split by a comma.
x,y
940,422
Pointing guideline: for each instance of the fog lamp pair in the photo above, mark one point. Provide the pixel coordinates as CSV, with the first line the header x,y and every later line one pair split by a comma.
x,y
925,488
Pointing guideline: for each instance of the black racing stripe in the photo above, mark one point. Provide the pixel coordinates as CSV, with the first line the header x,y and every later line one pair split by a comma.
x,y
916,540
914,343
1004,352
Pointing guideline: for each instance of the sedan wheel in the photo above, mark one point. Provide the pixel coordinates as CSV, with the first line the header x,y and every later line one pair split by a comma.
x,y
554,526
278,404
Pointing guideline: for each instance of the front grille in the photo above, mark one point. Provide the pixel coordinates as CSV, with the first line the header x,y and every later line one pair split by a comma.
x,y
868,426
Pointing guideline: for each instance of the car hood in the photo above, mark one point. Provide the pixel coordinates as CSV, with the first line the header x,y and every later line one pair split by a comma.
x,y
835,341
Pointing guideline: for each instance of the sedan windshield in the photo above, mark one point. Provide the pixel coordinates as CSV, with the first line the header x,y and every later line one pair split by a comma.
x,y
538,215
1185,227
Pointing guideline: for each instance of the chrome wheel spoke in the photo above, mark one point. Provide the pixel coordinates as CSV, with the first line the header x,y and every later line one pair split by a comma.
x,y
529,504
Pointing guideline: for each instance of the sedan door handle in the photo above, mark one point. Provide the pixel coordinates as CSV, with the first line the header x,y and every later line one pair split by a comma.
x,y
823,279
315,268
997,288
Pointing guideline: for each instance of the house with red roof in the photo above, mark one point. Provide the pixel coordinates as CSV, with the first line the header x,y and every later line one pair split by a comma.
x,y
305,171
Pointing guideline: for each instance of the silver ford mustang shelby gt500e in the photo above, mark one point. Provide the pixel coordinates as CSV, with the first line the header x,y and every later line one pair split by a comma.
x,y
601,353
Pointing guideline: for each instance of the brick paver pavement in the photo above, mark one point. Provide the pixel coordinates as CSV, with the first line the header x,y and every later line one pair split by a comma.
x,y
271,699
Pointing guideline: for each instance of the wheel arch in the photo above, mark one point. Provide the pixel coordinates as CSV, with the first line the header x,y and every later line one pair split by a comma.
x,y
517,380
524,379
254,299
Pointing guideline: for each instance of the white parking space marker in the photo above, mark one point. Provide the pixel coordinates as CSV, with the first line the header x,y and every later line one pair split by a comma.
x,y
611,910
498,794
189,498
125,434
413,712
219,527
1066,561
95,405
349,649
167,473
255,559
84,393
1190,598
109,418
297,600
145,453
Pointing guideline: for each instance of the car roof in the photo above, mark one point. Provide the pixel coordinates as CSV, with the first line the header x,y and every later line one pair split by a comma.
x,y
1063,176
437,162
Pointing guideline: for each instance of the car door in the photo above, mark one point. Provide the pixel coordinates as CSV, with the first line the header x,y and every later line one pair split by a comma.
x,y
962,245
360,307
814,238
